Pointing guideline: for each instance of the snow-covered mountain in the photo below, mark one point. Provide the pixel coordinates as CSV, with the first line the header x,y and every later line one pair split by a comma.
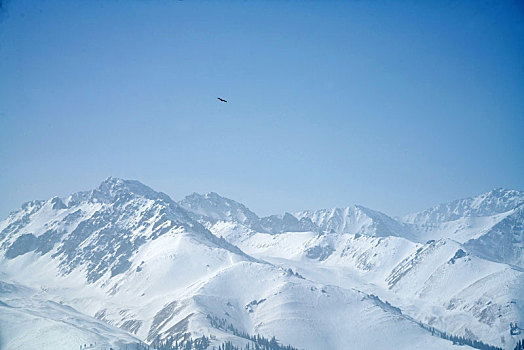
x,y
355,219
123,263
98,231
491,224
504,241
491,203
31,321
440,283
212,207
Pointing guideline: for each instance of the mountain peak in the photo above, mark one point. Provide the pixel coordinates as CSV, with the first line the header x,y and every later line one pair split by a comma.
x,y
496,201
114,184
503,192
215,195
100,230
112,187
215,207
354,219
196,197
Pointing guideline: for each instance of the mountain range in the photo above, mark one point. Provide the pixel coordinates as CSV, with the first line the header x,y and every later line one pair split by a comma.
x,y
123,264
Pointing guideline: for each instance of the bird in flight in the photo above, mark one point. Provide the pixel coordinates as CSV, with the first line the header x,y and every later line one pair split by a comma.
x,y
222,100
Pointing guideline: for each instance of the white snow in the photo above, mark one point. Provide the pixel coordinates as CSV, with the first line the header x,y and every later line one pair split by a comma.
x,y
356,279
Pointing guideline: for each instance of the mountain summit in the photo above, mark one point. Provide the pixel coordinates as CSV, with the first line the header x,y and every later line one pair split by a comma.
x,y
208,270
490,203
212,207
98,231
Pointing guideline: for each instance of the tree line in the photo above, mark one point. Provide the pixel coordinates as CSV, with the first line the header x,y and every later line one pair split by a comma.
x,y
459,340
260,342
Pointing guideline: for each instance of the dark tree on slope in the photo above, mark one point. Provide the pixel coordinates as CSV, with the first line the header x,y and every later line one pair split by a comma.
x,y
459,340
260,342
182,342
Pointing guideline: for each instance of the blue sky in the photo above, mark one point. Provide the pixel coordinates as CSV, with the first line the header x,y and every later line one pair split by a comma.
x,y
393,105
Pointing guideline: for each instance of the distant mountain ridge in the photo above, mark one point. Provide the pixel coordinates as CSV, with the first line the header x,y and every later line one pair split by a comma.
x,y
465,220
490,203
196,212
158,269
355,219
211,208
101,228
490,224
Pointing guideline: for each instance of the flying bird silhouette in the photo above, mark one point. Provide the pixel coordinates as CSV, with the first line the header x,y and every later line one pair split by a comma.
x,y
222,100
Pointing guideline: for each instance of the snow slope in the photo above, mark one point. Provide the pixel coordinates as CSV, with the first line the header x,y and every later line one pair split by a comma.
x,y
439,283
490,225
493,202
355,219
30,321
126,256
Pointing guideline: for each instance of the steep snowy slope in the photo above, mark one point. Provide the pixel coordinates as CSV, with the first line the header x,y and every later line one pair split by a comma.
x,y
355,219
256,298
98,231
30,321
504,241
360,259
165,271
444,285
133,258
103,250
494,202
439,283
212,207
489,224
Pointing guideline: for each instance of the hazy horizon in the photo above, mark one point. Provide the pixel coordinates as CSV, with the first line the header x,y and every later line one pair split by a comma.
x,y
176,199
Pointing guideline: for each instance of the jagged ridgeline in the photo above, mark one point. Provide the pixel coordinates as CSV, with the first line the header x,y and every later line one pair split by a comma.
x,y
123,263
